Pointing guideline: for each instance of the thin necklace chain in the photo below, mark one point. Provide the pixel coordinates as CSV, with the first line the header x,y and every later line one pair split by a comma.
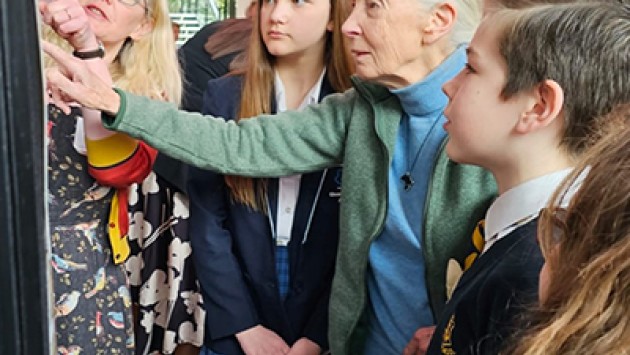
x,y
406,178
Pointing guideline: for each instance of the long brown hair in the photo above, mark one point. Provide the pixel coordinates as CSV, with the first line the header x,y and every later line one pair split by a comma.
x,y
231,36
587,250
258,83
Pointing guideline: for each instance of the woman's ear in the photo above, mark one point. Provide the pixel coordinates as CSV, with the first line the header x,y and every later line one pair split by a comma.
x,y
145,27
441,21
547,100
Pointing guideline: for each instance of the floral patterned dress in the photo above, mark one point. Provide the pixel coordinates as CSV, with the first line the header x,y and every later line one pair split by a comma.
x,y
92,299
162,275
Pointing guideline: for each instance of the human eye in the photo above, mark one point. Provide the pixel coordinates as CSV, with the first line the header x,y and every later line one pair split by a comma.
x,y
373,5
300,2
469,68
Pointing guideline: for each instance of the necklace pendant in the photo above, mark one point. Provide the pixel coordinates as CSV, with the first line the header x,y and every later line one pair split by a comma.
x,y
407,180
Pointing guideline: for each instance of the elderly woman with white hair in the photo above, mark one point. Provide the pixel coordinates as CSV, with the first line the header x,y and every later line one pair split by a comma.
x,y
406,209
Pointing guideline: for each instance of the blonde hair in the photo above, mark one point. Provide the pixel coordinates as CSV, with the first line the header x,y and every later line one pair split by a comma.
x,y
587,248
258,86
147,66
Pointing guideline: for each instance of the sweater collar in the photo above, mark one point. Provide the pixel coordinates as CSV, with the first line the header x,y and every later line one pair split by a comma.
x,y
373,92
425,97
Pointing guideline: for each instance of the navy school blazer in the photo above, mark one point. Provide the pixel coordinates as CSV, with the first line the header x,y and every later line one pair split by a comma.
x,y
492,296
233,248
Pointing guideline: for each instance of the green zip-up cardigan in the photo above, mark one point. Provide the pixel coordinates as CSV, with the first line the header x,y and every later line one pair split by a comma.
x,y
357,129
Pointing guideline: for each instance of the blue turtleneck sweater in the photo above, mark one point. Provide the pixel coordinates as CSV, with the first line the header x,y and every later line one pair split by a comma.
x,y
396,274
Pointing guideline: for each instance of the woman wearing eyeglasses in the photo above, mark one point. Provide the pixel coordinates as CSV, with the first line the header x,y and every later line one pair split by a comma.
x,y
99,262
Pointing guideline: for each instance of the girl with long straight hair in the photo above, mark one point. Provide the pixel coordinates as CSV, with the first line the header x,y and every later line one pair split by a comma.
x,y
265,248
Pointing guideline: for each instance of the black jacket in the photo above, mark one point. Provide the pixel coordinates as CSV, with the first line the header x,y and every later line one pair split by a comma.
x,y
498,287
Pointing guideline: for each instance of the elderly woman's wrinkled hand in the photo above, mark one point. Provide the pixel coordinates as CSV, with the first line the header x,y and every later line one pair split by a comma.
x,y
73,81
69,19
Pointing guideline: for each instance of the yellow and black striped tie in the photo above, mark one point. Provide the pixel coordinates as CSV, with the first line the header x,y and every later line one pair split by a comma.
x,y
478,241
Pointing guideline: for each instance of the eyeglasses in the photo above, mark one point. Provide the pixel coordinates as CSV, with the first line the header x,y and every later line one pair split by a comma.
x,y
143,3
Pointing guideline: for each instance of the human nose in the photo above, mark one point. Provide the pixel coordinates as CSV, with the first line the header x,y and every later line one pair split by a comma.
x,y
450,87
280,11
350,27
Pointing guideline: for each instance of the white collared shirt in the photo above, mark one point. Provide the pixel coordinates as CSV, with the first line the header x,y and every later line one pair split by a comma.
x,y
289,186
522,204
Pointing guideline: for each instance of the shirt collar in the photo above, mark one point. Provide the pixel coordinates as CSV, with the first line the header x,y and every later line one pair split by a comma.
x,y
311,97
519,203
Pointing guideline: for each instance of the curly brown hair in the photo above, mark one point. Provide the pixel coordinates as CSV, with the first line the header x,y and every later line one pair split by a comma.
x,y
587,250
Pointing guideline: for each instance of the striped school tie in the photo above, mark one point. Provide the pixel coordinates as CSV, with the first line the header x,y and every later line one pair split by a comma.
x,y
478,242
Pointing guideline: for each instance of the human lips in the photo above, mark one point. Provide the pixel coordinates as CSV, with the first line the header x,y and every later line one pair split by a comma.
x,y
95,12
358,53
274,34
446,124
447,121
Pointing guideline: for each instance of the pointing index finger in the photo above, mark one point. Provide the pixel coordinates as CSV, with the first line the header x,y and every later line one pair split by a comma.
x,y
56,53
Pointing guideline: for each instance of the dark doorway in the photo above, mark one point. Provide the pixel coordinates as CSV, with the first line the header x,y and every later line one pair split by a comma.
x,y
24,282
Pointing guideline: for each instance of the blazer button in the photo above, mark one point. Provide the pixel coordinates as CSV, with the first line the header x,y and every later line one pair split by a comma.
x,y
271,284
